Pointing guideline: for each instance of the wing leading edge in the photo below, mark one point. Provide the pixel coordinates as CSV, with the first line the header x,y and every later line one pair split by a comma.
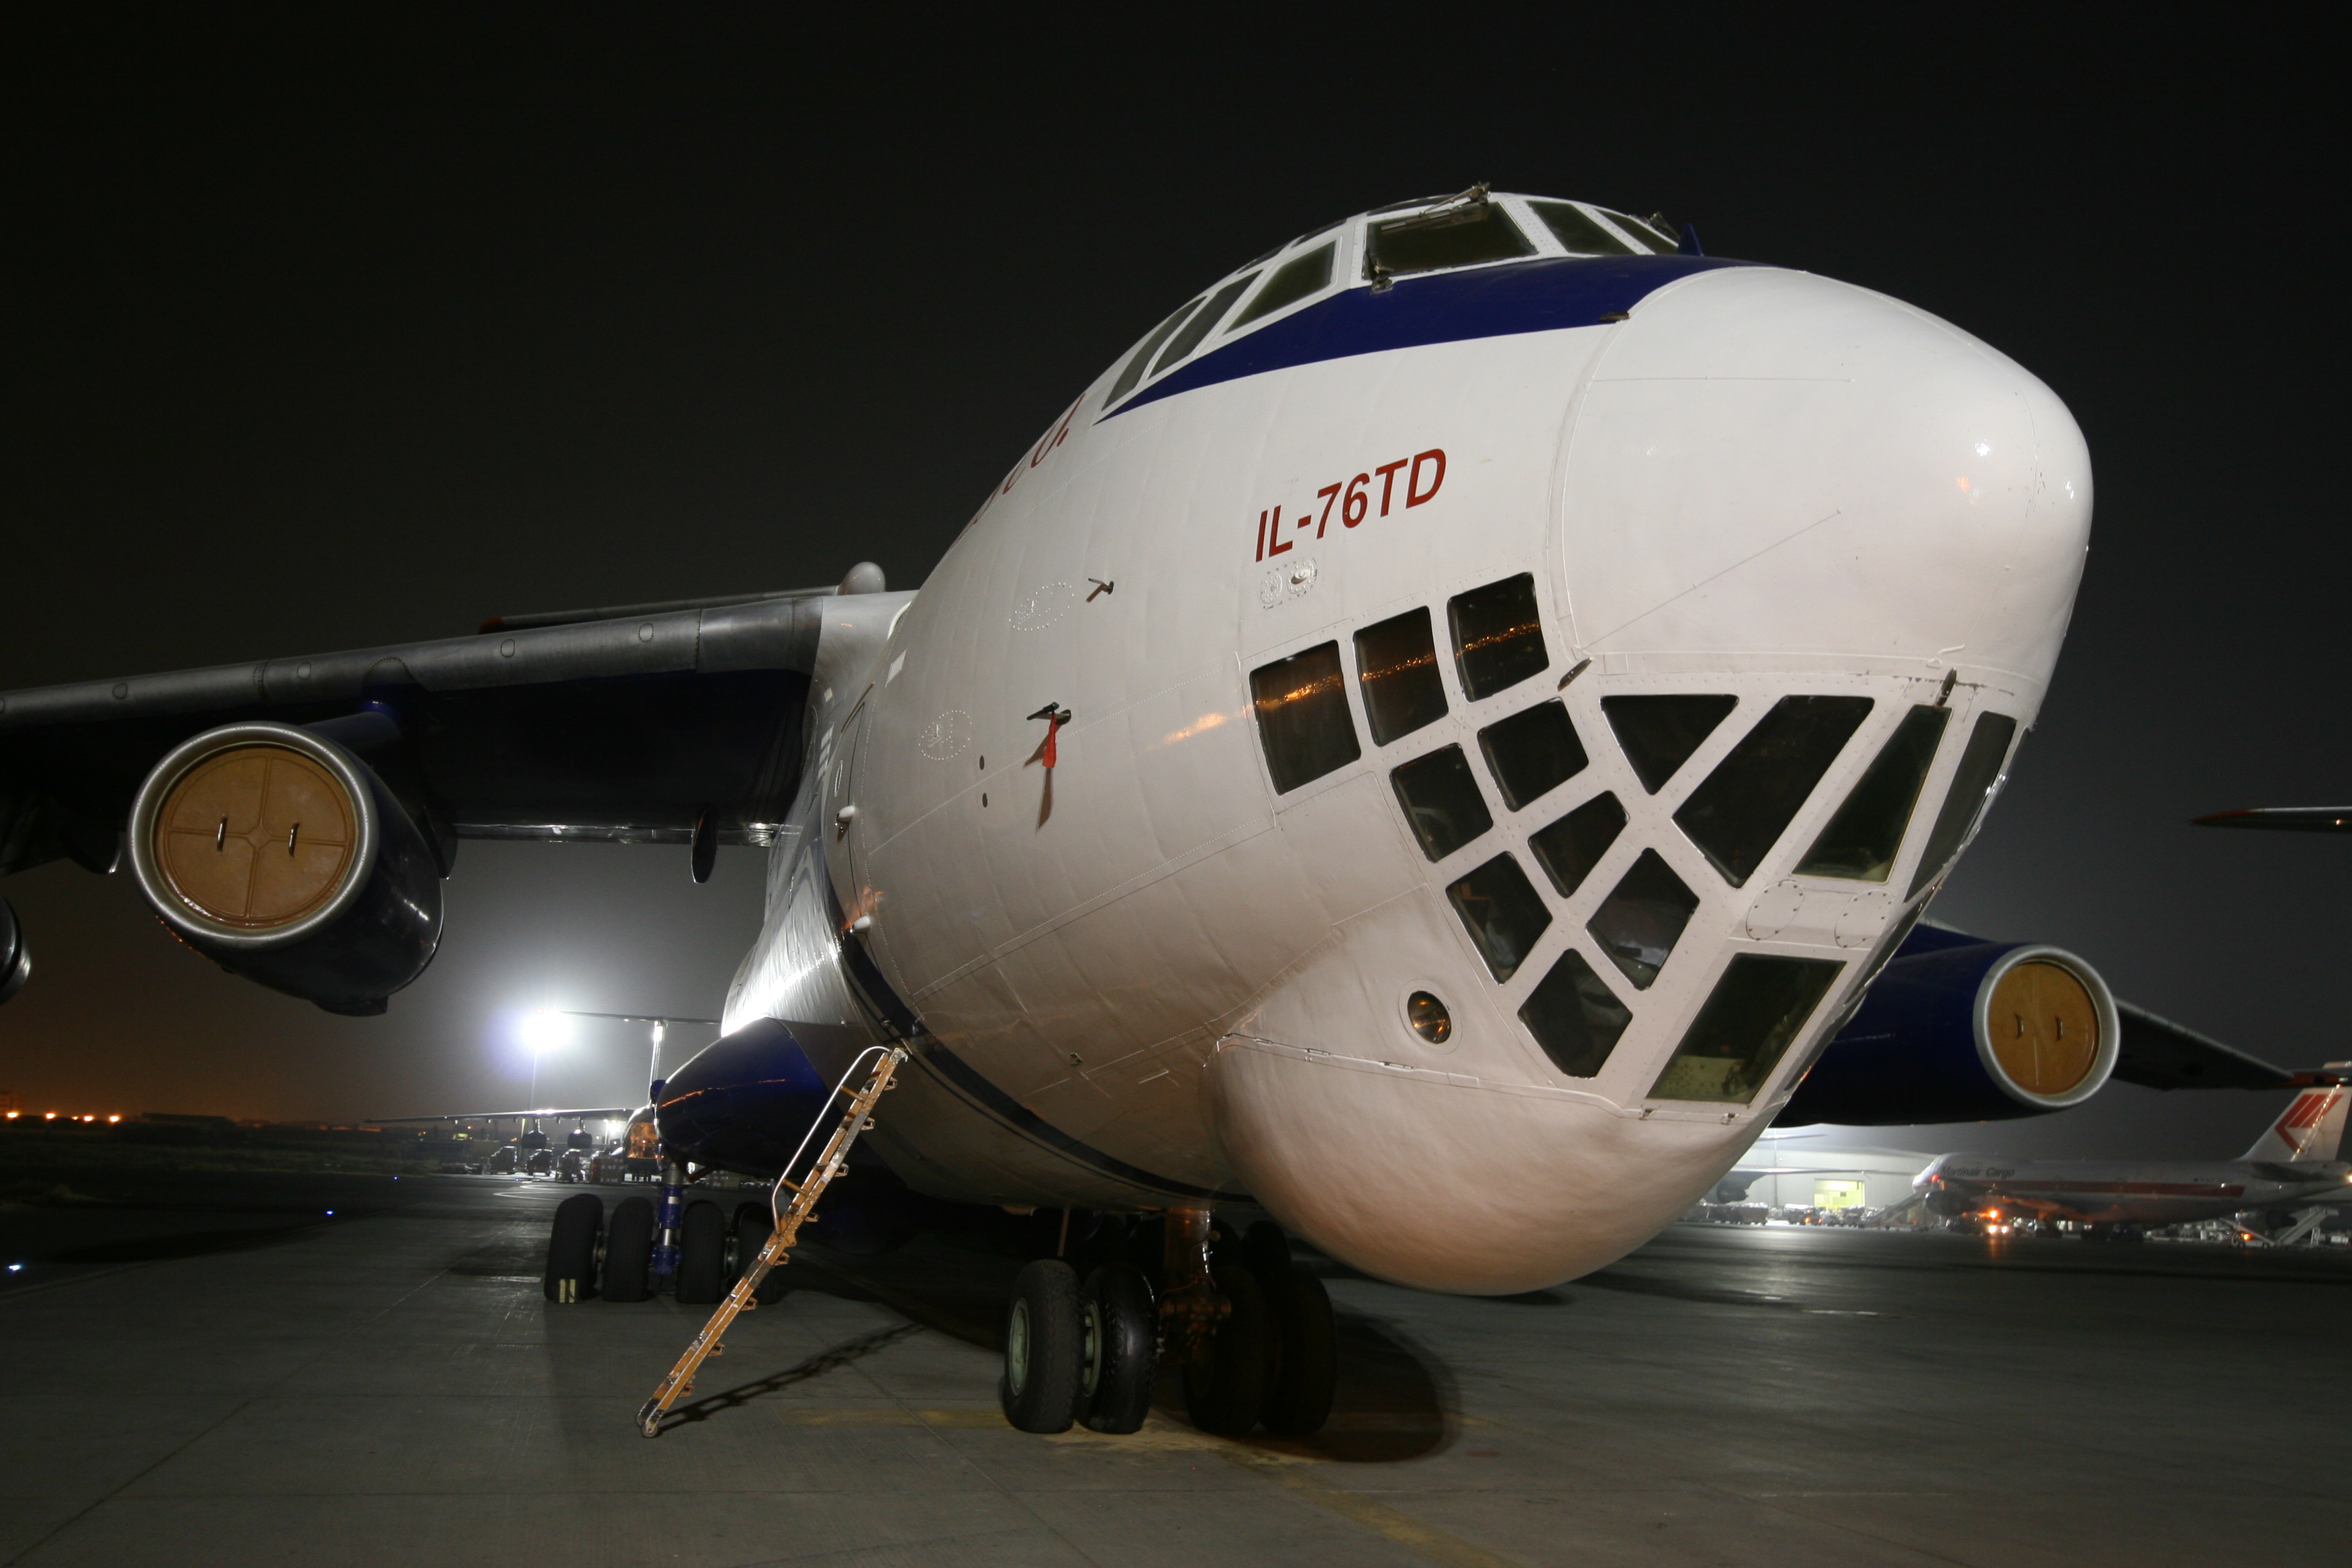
x,y
625,728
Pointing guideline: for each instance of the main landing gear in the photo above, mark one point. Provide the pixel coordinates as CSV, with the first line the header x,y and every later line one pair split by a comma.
x,y
1251,1330
591,1254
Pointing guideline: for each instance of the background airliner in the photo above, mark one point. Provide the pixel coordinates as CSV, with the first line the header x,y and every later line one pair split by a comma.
x,y
1457,717
2292,1168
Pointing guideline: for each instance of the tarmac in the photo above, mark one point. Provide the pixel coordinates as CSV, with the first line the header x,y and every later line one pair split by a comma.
x,y
214,1370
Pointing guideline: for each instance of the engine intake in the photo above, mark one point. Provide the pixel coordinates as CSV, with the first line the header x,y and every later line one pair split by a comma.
x,y
1956,1029
283,858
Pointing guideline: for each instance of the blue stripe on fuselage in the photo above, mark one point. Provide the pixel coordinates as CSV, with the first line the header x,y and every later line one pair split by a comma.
x,y
1539,296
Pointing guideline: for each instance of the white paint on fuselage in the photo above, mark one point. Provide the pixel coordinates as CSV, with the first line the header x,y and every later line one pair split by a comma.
x,y
1762,483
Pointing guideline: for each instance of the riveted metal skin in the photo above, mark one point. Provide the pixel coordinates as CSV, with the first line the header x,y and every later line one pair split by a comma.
x,y
344,920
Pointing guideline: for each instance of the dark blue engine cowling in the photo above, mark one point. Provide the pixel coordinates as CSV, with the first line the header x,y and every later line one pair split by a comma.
x,y
744,1102
1919,1049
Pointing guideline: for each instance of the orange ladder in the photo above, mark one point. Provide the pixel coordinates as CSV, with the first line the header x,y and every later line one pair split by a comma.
x,y
789,1220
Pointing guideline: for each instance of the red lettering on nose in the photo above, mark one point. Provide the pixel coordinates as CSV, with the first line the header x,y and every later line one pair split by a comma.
x,y
1413,494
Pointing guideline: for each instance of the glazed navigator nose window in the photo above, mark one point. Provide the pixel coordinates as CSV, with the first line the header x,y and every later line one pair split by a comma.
x,y
1973,782
1741,812
1863,839
1441,799
1302,716
1750,1019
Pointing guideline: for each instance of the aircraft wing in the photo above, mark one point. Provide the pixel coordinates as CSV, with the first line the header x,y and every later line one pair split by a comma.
x,y
625,724
2284,818
2156,1053
608,1112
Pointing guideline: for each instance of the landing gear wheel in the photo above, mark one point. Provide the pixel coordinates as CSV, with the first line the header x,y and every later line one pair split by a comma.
x,y
1044,1333
702,1254
1307,1357
1225,1382
629,1251
753,1226
571,1247
1121,1346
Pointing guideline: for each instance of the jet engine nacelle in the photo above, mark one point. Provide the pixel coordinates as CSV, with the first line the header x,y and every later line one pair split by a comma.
x,y
16,963
1956,1029
279,855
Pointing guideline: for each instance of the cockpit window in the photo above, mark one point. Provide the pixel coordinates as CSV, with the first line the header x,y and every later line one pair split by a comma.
x,y
1741,812
1292,281
1574,1017
1503,911
1659,733
1861,840
1441,799
1188,339
1972,787
1463,235
1650,232
1533,753
1576,230
1748,1022
1134,371
1497,635
1302,716
1570,848
1396,666
1639,922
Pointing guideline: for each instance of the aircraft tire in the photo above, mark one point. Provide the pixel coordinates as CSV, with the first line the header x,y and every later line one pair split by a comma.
x,y
753,1226
1043,1378
1306,1351
629,1251
702,1254
1225,1381
1122,1348
571,1247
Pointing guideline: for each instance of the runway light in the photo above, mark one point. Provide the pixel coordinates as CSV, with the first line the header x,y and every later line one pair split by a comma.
x,y
49,1116
114,1118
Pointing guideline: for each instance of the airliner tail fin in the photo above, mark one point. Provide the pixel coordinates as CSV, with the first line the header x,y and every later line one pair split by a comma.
x,y
2311,1128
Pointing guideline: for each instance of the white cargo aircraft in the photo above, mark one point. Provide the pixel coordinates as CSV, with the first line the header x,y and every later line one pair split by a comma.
x,y
1432,742
2292,1168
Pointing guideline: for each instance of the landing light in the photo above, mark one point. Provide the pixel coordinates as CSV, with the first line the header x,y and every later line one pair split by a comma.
x,y
15,1269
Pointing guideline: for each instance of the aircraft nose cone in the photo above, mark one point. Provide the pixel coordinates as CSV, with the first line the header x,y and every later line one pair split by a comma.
x,y
1771,462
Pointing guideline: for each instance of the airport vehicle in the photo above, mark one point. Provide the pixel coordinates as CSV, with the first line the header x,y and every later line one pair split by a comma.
x,y
2292,1170
1435,740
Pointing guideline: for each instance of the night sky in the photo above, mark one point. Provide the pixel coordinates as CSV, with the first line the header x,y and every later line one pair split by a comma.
x,y
321,339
